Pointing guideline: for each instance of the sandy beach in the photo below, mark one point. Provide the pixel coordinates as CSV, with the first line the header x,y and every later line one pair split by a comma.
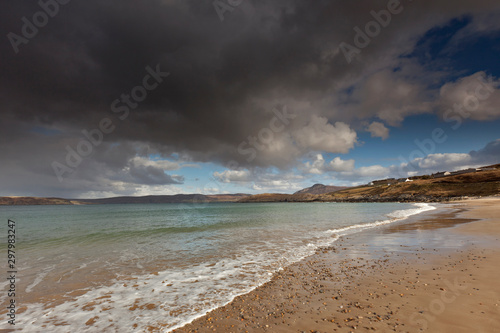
x,y
437,272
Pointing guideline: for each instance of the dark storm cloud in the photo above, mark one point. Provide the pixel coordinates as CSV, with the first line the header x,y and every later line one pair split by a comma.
x,y
225,78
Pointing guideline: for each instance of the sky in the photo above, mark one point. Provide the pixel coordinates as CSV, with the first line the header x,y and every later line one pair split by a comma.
x,y
112,98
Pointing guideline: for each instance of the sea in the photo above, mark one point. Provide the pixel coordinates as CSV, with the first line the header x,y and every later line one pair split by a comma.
x,y
140,267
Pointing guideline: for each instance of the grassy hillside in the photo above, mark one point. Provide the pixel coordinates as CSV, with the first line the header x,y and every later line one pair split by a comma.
x,y
484,183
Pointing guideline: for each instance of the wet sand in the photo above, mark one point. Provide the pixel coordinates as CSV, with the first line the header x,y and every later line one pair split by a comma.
x,y
437,272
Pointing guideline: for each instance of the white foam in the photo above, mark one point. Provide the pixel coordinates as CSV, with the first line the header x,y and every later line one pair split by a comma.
x,y
39,278
397,215
4,285
178,296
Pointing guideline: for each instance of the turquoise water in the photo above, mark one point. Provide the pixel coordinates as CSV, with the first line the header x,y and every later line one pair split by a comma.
x,y
164,264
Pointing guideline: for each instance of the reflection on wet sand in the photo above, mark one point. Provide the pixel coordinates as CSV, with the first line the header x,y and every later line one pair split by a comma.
x,y
431,221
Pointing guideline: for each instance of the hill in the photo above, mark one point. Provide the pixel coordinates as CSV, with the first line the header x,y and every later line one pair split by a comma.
x,y
280,197
478,184
320,189
305,195
34,201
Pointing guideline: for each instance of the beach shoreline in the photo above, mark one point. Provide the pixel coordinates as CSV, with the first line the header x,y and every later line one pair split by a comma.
x,y
432,272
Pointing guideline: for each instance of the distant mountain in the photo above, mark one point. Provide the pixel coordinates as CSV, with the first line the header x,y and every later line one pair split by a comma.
x,y
8,201
275,197
320,189
177,198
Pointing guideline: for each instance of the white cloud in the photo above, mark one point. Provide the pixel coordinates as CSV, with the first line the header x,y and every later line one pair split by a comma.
x,y
319,166
161,164
339,165
319,135
343,170
233,176
315,167
446,161
378,130
372,171
283,185
262,180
